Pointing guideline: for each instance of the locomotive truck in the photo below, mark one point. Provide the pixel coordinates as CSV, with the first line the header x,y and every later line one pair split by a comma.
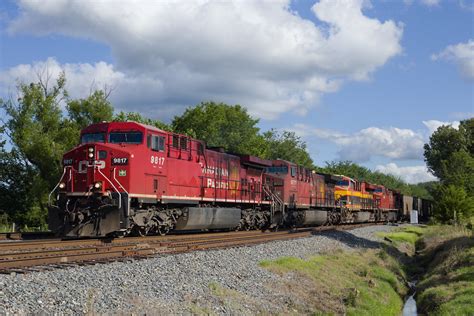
x,y
127,178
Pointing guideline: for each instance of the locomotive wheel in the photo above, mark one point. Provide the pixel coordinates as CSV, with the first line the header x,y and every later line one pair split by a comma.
x,y
139,231
163,230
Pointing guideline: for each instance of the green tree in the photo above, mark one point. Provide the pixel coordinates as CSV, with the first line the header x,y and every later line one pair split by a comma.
x,y
40,134
353,170
458,170
453,204
16,185
37,128
445,141
450,156
16,179
222,125
466,128
137,117
94,109
286,145
347,168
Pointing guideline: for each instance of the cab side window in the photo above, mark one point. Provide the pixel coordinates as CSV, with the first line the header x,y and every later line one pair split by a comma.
x,y
161,143
184,143
156,143
293,171
175,141
200,149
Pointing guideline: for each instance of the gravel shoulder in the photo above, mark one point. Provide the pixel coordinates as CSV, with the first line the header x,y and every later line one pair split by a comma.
x,y
227,281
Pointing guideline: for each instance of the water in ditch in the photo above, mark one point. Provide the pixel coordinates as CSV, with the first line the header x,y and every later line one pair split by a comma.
x,y
409,309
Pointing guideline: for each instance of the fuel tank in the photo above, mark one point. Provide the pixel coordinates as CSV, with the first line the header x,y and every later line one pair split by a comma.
x,y
315,217
362,217
392,216
209,218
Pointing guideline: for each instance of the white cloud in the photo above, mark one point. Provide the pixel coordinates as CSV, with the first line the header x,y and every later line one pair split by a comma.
x,y
429,3
462,115
462,55
361,146
83,78
411,174
256,53
392,142
433,125
466,5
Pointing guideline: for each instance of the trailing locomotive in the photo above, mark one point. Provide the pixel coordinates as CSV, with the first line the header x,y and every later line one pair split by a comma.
x,y
130,178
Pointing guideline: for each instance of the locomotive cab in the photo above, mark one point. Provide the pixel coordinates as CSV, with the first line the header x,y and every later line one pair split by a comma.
x,y
93,192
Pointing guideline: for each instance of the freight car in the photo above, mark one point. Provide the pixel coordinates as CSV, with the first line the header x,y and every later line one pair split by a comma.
x,y
129,178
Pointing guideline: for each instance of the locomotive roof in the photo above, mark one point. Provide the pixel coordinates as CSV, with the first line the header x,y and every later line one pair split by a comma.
x,y
104,125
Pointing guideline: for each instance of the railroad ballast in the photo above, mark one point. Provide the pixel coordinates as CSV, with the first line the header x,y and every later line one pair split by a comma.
x,y
129,178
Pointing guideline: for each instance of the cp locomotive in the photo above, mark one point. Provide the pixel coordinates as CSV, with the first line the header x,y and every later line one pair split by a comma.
x,y
129,178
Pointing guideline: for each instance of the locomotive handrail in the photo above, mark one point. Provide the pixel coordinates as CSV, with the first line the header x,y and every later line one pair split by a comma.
x,y
56,186
128,203
115,178
277,202
113,186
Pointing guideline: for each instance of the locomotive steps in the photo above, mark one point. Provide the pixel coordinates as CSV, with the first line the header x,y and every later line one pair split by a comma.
x,y
27,256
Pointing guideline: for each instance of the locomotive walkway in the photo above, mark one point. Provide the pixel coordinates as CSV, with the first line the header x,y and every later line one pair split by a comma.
x,y
38,255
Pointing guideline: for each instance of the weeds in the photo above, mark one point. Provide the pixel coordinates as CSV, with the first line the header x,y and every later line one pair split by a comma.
x,y
410,235
354,283
374,281
447,287
444,264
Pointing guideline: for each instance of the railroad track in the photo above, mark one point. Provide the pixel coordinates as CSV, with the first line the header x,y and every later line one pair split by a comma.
x,y
28,256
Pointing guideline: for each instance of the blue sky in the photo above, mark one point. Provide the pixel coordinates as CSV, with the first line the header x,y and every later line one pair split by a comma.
x,y
366,81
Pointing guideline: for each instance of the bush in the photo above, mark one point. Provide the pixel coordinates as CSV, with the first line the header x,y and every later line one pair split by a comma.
x,y
453,205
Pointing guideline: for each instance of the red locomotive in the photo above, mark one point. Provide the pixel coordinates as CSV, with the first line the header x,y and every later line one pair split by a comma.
x,y
129,178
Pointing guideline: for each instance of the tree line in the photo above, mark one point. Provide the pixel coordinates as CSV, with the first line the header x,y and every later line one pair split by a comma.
x,y
449,156
43,122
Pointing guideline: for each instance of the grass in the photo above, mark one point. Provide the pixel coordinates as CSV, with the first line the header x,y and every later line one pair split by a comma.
x,y
447,286
372,282
408,234
362,283
234,301
5,229
8,229
444,265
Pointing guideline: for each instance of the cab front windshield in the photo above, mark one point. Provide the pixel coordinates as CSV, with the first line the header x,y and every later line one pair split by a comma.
x,y
343,183
93,138
126,137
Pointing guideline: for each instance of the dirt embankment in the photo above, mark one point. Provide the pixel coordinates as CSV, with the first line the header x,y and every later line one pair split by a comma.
x,y
375,279
446,260
363,280
441,260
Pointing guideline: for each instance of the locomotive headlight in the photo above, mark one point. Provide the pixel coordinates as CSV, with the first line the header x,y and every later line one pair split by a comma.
x,y
62,185
91,154
97,185
91,150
